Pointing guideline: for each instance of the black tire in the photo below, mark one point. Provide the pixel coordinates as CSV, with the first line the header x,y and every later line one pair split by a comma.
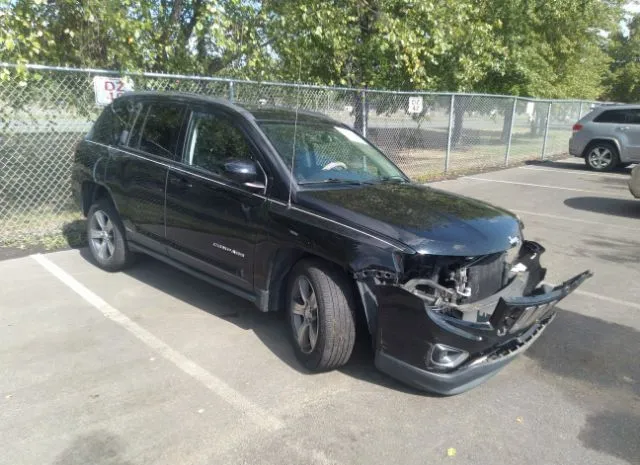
x,y
598,152
336,325
117,256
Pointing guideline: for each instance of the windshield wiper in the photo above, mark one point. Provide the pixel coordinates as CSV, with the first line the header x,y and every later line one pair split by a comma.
x,y
396,179
334,181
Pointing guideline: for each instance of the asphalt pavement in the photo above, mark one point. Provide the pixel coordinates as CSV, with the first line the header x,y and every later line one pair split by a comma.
x,y
151,366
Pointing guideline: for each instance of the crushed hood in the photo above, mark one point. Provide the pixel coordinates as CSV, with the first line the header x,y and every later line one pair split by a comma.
x,y
428,220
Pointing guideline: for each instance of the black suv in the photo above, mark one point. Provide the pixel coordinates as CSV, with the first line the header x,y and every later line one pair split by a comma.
x,y
298,213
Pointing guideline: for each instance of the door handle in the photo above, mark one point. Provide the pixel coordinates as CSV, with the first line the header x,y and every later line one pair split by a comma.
x,y
623,128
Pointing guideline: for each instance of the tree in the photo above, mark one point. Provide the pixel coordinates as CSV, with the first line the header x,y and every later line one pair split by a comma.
x,y
186,36
623,81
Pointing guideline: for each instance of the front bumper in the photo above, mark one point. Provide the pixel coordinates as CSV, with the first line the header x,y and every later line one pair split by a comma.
x,y
508,323
463,379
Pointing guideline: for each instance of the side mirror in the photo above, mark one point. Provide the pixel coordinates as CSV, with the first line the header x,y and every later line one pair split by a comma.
x,y
243,172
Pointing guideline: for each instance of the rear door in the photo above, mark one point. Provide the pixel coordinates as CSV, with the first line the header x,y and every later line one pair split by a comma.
x,y
622,125
213,223
139,166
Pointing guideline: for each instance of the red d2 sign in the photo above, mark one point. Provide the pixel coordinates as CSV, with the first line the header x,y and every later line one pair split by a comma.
x,y
108,88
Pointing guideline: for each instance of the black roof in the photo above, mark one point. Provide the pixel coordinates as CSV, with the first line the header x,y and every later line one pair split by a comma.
x,y
257,112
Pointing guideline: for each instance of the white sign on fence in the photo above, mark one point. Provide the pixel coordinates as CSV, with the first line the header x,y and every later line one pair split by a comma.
x,y
415,105
109,88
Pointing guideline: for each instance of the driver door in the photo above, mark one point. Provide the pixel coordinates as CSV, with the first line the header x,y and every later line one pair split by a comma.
x,y
213,223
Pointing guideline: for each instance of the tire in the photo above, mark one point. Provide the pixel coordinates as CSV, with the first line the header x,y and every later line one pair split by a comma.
x,y
106,237
334,323
602,156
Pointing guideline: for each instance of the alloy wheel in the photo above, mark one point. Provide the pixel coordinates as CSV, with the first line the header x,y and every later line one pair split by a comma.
x,y
600,157
304,314
101,235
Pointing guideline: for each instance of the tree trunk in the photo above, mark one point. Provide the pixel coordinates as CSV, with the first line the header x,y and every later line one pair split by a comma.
x,y
506,124
461,104
360,117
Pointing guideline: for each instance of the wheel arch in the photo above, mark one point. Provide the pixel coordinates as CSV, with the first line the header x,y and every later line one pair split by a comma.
x,y
286,258
93,191
608,140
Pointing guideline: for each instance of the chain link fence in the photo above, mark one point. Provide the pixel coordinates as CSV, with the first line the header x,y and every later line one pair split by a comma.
x,y
45,111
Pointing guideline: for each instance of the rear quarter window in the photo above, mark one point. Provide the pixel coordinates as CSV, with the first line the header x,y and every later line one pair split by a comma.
x,y
114,124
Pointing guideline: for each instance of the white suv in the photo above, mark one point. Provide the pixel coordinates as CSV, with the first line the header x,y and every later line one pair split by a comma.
x,y
607,137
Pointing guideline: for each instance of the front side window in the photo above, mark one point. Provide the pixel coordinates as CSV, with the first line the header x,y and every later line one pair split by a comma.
x,y
214,141
328,153
160,130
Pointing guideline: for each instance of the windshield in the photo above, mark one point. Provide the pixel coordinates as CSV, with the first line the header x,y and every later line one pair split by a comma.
x,y
327,153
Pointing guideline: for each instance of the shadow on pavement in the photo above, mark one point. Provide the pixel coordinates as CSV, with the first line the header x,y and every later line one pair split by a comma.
x,y
271,328
590,350
603,358
96,448
614,433
607,206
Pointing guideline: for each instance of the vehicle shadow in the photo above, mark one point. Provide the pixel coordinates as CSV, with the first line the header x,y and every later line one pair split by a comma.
x,y
608,206
594,351
596,363
271,328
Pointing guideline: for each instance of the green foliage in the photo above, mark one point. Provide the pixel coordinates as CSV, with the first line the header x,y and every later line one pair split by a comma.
x,y
551,48
623,81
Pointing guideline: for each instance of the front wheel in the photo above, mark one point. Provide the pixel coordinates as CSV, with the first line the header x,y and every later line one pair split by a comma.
x,y
321,315
106,237
602,157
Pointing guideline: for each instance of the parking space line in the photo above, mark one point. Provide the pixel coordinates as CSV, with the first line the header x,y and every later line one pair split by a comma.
x,y
593,295
563,170
575,220
545,186
257,414
612,300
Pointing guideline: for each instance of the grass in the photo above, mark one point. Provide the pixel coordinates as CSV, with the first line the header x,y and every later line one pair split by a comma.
x,y
54,231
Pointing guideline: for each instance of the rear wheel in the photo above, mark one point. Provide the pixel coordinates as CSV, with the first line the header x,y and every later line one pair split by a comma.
x,y
602,156
106,237
321,315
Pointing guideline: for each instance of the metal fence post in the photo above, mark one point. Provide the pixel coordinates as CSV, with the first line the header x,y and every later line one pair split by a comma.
x,y
231,91
513,117
580,111
364,113
449,131
546,131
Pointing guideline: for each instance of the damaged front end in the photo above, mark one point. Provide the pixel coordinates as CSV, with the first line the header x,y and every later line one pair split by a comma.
x,y
446,324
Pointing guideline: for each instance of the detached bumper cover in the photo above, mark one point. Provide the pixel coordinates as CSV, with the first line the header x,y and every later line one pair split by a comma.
x,y
514,318
464,378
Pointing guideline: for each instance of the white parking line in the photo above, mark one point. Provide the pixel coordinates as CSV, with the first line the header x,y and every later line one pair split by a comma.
x,y
545,186
257,414
575,220
608,299
562,170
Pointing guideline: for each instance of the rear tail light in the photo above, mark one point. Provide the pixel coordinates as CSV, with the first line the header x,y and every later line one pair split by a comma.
x,y
577,127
